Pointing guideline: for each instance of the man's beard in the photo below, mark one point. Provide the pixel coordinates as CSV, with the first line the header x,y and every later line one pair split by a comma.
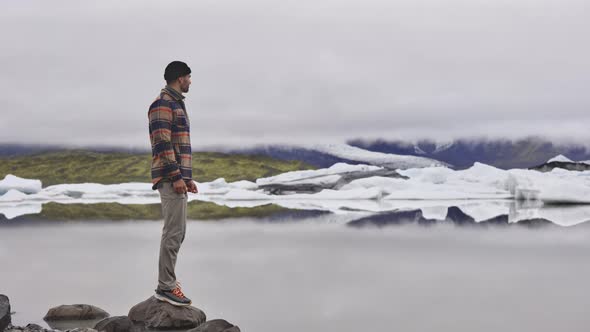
x,y
184,89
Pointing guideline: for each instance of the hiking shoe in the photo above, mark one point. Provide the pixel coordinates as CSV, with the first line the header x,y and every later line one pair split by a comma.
x,y
174,297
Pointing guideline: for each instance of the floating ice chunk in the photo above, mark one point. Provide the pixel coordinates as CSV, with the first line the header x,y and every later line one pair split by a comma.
x,y
124,189
216,187
484,210
329,194
557,186
436,175
12,211
13,195
27,186
243,184
384,184
218,183
309,175
245,195
435,212
563,216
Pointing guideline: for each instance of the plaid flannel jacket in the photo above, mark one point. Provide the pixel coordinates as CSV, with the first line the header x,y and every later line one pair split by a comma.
x,y
170,138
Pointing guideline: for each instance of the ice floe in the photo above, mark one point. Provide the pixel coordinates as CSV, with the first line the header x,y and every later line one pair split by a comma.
x,y
481,191
26,186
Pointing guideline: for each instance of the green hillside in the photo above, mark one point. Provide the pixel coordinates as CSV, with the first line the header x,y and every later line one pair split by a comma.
x,y
76,166
114,211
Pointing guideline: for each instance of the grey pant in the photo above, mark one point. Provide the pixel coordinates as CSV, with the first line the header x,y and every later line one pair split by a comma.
x,y
174,212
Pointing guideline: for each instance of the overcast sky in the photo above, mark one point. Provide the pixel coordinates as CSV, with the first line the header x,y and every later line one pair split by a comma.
x,y
85,72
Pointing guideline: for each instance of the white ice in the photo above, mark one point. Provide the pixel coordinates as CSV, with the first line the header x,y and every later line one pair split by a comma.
x,y
26,186
390,160
481,191
560,158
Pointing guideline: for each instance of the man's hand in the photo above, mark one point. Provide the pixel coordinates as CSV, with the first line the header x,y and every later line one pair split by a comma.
x,y
192,187
179,186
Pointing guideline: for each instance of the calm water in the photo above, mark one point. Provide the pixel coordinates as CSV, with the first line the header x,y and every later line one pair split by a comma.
x,y
314,274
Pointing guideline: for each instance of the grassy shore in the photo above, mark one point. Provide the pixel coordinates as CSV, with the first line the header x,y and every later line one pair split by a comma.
x,y
77,166
114,211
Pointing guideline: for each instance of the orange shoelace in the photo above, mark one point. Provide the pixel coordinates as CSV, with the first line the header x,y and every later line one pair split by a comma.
x,y
176,291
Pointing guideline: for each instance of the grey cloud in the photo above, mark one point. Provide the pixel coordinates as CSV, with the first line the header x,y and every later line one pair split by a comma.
x,y
297,71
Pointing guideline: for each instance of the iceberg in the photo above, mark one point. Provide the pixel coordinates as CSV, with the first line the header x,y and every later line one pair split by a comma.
x,y
13,195
318,175
12,211
26,186
481,191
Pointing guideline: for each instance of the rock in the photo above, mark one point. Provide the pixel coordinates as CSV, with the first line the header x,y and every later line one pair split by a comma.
x,y
12,328
570,166
28,328
216,325
35,327
4,312
65,325
156,314
75,312
458,217
454,216
393,218
115,324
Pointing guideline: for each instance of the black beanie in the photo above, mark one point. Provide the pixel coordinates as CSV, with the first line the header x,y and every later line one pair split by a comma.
x,y
176,69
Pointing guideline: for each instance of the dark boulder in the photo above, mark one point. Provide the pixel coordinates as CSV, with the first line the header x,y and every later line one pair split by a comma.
x,y
156,314
570,166
75,312
401,217
116,324
216,325
4,312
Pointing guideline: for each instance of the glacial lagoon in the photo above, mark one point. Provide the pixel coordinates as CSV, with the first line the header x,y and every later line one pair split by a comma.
x,y
313,272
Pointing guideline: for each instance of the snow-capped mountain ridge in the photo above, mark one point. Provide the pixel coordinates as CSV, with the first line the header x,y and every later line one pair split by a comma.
x,y
560,158
388,160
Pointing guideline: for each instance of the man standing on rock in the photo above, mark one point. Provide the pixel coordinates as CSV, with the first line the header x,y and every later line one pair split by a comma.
x,y
171,174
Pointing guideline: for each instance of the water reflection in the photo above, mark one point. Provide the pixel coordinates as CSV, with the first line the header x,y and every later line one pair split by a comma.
x,y
311,276
115,211
360,212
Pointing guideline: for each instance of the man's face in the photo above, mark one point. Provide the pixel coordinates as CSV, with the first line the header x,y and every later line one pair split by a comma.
x,y
185,82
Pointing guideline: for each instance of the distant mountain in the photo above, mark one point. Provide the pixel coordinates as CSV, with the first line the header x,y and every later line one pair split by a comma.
x,y
461,154
563,162
505,154
15,150
326,155
7,150
388,160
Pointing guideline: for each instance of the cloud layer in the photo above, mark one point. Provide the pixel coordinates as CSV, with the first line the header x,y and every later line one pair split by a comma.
x,y
296,71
